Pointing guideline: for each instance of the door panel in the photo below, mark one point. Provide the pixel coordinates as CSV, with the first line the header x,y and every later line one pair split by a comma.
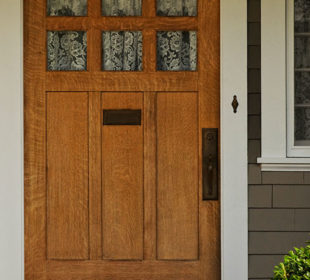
x,y
120,199
122,182
177,195
67,175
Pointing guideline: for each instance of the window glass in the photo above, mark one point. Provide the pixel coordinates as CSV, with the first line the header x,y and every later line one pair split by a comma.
x,y
302,72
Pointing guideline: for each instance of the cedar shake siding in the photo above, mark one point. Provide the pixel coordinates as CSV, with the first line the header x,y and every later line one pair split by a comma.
x,y
279,202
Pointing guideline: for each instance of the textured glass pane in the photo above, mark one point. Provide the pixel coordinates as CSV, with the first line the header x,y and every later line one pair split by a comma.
x,y
121,7
177,50
122,50
302,52
177,7
302,87
67,7
302,15
67,50
302,124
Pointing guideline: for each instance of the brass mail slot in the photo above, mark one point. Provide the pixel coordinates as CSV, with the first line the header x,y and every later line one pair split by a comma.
x,y
122,117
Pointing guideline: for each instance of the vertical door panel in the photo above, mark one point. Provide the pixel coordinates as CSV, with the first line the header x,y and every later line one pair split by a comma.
x,y
177,165
122,177
67,175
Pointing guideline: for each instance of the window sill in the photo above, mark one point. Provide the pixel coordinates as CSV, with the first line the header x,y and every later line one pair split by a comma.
x,y
284,164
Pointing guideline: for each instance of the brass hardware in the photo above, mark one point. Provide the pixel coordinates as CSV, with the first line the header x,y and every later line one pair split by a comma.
x,y
210,163
122,117
235,104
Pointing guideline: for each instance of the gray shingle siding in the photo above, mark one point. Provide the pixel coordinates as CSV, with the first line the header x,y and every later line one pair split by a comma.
x,y
279,202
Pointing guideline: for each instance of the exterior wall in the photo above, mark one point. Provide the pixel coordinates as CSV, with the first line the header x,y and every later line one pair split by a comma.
x,y
279,204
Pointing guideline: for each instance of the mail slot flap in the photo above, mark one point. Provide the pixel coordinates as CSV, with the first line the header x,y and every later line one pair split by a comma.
x,y
122,117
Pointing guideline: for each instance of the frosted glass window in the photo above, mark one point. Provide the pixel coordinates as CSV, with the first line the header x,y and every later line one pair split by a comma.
x,y
121,8
66,50
67,7
302,72
122,51
177,7
177,50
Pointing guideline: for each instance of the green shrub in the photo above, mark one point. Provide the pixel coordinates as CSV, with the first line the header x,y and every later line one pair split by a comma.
x,y
296,265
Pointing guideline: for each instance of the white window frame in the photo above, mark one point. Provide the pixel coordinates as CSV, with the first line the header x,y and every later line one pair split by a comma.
x,y
277,42
234,219
292,150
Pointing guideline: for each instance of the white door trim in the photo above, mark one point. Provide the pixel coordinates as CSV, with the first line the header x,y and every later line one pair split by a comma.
x,y
11,140
233,140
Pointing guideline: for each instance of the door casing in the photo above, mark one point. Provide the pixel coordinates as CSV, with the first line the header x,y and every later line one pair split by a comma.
x,y
233,139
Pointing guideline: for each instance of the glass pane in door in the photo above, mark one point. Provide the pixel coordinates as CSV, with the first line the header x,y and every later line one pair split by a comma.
x,y
121,8
67,8
66,50
177,8
177,50
122,51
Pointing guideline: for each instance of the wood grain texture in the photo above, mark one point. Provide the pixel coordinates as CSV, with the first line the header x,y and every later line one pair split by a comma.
x,y
122,177
144,243
34,140
118,81
150,172
177,167
122,23
209,117
67,176
93,35
151,270
95,188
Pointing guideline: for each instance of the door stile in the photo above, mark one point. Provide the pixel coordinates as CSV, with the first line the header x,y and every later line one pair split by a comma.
x,y
34,140
209,117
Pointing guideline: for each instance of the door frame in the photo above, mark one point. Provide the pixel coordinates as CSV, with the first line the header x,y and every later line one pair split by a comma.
x,y
234,221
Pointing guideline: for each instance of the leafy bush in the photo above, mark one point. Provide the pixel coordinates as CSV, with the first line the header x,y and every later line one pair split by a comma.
x,y
296,265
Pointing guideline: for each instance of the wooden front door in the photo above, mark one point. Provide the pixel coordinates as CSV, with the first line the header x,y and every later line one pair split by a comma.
x,y
117,94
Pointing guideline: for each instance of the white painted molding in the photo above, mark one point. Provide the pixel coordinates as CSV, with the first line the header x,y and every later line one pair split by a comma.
x,y
284,160
234,196
11,140
284,164
303,149
292,167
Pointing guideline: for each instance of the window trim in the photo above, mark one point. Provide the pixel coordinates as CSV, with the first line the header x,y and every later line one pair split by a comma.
x,y
277,113
292,150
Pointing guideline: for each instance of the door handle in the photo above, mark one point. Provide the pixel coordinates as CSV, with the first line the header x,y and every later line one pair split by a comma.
x,y
210,174
210,163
